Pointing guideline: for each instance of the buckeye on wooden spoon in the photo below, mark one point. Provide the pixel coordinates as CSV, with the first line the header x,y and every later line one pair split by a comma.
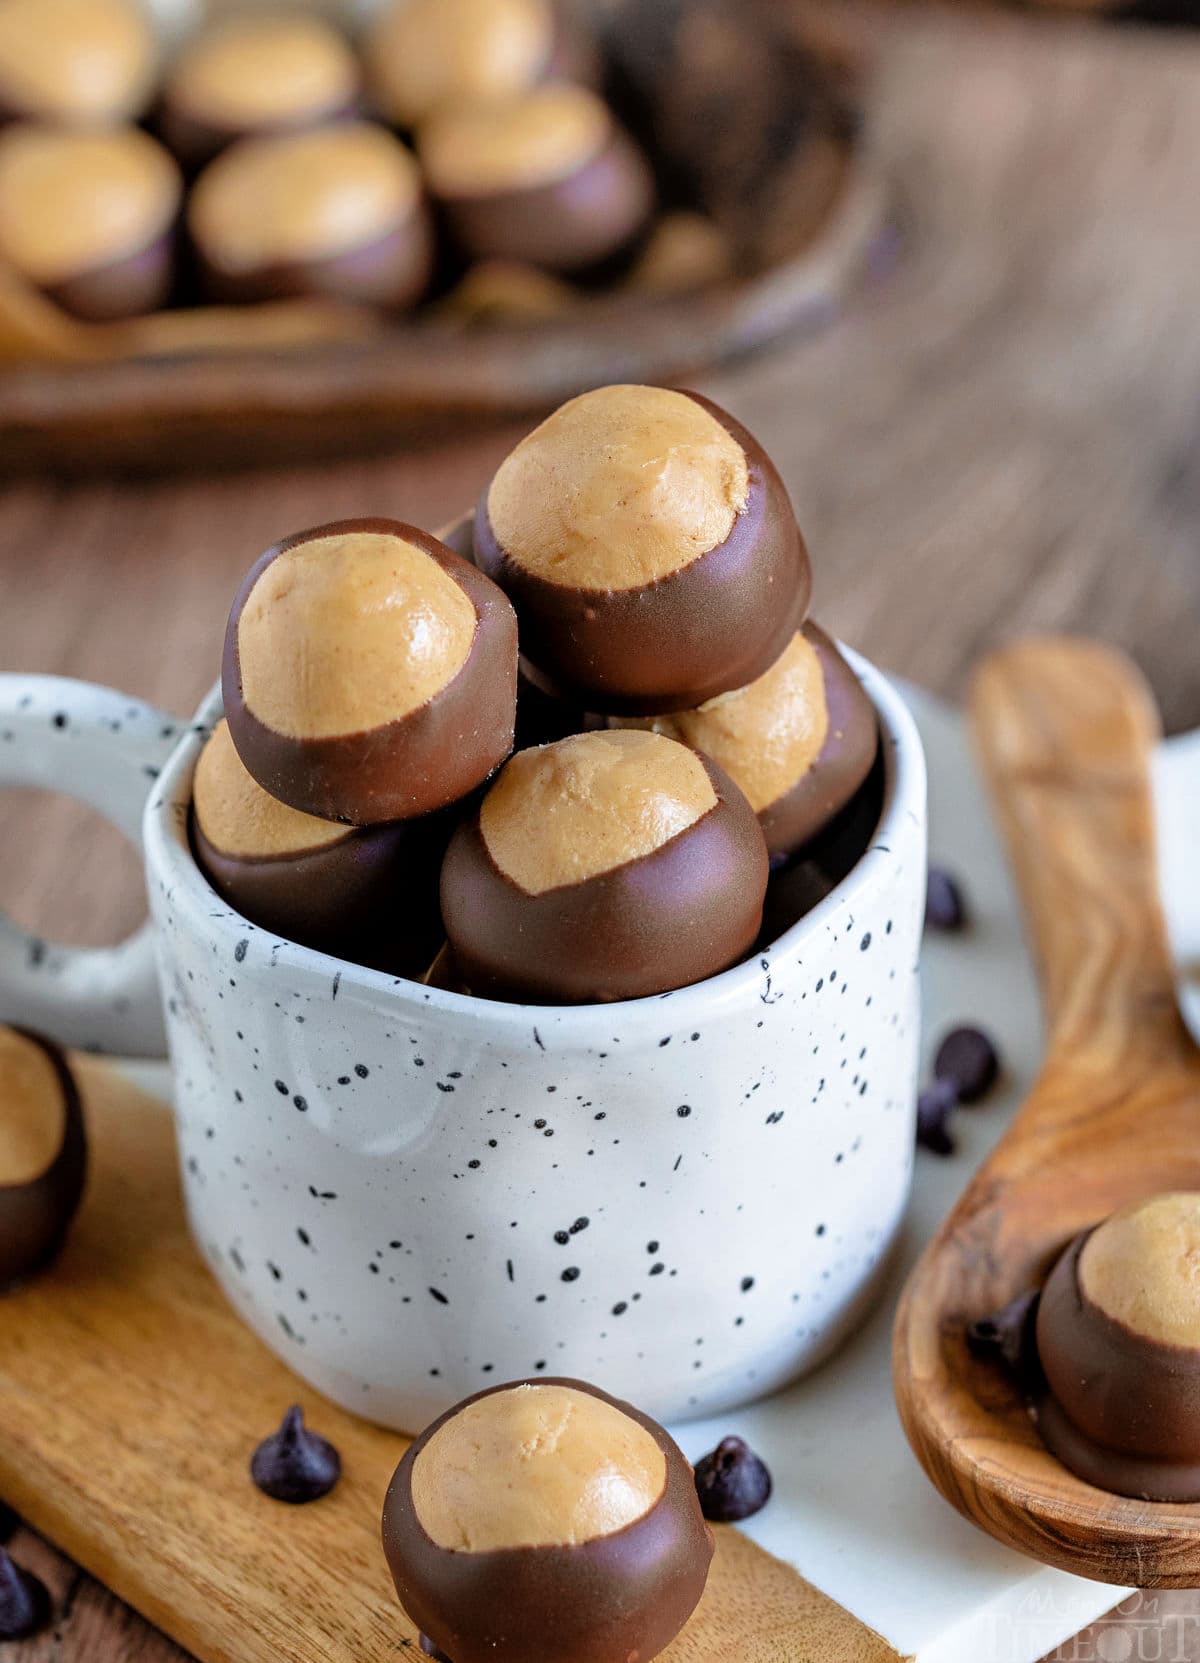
x,y
1065,730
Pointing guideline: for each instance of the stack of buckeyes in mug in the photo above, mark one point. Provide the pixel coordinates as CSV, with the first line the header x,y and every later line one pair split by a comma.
x,y
635,612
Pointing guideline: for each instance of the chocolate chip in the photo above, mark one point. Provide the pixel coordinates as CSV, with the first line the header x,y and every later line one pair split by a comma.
x,y
294,1464
732,1482
24,1601
968,1060
945,908
1007,1338
430,1650
8,1522
935,1105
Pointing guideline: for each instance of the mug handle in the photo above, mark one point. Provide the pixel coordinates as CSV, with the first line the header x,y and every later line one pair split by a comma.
x,y
105,749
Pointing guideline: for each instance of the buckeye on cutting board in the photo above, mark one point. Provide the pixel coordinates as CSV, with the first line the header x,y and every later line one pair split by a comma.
x,y
546,1522
43,1153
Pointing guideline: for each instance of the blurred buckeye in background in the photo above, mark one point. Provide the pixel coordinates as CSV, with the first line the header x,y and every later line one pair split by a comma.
x,y
606,866
546,1522
86,63
368,895
43,1153
650,549
547,178
259,73
423,55
88,217
369,673
337,212
799,741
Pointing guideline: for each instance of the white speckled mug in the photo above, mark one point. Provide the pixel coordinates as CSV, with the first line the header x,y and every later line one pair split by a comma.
x,y
409,1193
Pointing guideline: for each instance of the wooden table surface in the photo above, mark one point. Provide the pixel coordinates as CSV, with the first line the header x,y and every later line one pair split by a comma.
x,y
1001,435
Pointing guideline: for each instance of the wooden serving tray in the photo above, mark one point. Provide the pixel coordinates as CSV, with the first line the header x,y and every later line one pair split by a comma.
x,y
131,1398
744,119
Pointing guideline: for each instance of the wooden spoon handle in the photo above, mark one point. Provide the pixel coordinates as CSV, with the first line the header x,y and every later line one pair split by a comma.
x,y
1064,729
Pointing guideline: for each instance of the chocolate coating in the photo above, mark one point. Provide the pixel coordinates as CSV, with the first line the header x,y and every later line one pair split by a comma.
x,y
276,184
1122,1409
401,769
36,1211
715,624
660,921
617,1596
569,225
369,895
254,74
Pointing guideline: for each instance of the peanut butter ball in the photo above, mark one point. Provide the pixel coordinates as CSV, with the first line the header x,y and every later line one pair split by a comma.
x,y
260,72
1118,1338
88,217
605,866
86,63
546,1522
547,178
334,212
369,674
368,895
423,55
43,1153
799,741
650,549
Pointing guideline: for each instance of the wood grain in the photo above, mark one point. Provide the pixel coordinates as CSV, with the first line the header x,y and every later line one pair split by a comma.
x,y
1064,730
131,1398
1002,435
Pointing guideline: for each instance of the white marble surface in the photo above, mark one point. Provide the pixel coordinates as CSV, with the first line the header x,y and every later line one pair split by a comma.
x,y
852,1509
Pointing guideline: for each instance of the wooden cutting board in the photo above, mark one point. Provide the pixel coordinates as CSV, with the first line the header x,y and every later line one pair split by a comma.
x,y
131,1398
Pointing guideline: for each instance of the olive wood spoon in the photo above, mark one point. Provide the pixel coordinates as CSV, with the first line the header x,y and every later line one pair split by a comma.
x,y
1064,729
